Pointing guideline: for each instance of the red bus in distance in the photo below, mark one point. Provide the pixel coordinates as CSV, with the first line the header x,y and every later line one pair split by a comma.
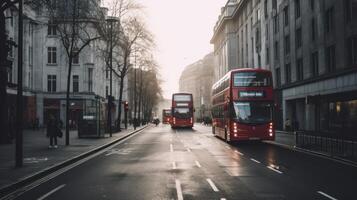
x,y
166,116
242,106
182,110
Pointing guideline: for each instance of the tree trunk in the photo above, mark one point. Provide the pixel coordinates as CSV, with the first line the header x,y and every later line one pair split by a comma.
x,y
140,95
67,98
121,88
4,135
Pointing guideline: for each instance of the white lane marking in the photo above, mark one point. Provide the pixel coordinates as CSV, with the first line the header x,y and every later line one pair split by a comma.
x,y
171,148
275,170
173,165
188,149
326,195
223,199
252,159
240,153
227,147
198,164
179,190
51,192
213,186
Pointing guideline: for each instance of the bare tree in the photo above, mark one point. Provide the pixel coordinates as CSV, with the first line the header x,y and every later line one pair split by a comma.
x,y
76,22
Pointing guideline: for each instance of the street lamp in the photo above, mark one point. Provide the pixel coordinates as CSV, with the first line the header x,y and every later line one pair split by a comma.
x,y
19,110
110,21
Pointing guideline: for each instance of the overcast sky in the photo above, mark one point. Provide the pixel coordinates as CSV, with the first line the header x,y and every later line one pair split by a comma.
x,y
182,30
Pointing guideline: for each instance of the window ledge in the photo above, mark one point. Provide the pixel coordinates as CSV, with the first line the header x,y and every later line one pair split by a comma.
x,y
52,64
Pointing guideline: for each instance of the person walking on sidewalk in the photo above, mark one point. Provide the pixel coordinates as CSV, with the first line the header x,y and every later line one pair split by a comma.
x,y
53,131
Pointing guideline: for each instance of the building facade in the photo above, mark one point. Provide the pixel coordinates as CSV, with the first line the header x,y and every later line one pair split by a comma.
x,y
46,69
197,79
310,46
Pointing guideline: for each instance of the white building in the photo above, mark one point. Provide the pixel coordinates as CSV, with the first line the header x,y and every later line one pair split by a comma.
x,y
46,69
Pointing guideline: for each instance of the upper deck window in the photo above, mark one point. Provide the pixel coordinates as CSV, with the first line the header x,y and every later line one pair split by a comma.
x,y
182,97
252,79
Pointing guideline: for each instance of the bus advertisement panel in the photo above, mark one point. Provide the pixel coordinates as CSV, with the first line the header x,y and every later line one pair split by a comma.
x,y
242,106
182,110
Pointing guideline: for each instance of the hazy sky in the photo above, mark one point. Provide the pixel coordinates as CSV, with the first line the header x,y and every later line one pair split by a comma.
x,y
182,29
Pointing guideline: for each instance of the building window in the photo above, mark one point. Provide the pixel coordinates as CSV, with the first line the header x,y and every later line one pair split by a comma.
x,y
348,11
75,58
298,38
299,69
276,24
266,9
75,83
106,91
276,50
286,15
30,55
330,58
51,55
315,64
312,4
329,25
297,9
278,77
274,4
51,83
258,14
267,56
287,73
287,44
90,79
51,29
352,51
313,29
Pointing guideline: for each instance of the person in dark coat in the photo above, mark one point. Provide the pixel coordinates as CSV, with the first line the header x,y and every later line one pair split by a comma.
x,y
52,131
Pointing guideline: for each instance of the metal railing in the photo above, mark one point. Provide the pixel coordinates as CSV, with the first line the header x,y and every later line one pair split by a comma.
x,y
330,144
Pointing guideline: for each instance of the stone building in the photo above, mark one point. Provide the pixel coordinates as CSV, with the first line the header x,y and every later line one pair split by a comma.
x,y
197,79
311,48
45,72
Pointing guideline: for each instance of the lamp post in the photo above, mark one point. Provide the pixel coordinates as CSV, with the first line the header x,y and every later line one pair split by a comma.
x,y
19,110
110,21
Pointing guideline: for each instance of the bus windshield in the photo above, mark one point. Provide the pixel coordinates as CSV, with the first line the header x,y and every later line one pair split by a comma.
x,y
252,79
182,97
253,112
182,112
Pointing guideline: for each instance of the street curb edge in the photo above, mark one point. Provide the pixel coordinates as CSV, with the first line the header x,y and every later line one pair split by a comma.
x,y
37,175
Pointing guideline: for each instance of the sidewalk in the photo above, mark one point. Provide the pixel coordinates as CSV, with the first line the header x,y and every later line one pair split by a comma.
x,y
37,155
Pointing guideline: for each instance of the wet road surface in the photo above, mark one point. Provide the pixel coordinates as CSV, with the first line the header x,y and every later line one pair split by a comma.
x,y
161,163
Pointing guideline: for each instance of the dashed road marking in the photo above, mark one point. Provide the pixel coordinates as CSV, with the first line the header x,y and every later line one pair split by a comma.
x,y
223,199
51,192
188,149
213,186
227,147
171,148
275,170
238,152
178,190
326,195
252,159
173,165
198,164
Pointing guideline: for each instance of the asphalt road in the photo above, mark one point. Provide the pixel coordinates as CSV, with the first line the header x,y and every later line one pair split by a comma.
x,y
160,163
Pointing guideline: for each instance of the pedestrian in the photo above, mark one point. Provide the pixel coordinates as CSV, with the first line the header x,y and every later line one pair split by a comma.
x,y
53,131
288,124
135,123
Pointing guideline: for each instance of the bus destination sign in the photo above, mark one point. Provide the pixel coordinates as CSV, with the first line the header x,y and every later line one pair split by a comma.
x,y
248,94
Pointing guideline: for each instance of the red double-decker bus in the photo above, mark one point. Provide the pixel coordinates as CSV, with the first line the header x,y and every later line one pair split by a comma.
x,y
242,106
182,110
166,116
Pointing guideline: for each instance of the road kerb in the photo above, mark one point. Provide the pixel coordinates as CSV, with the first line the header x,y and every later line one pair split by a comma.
x,y
7,189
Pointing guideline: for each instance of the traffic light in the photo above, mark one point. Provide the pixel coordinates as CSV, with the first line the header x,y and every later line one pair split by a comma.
x,y
126,106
